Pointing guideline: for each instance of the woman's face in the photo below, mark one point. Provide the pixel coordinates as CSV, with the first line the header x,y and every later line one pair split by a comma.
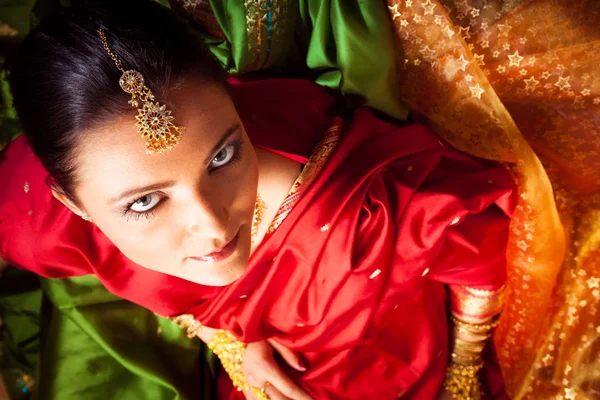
x,y
186,212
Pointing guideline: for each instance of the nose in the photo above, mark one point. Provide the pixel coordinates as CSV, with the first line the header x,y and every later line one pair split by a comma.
x,y
209,217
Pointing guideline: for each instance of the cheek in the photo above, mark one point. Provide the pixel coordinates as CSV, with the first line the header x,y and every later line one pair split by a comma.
x,y
152,248
239,184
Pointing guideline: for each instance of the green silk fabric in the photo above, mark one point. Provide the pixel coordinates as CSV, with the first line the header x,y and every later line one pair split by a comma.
x,y
344,45
97,346
86,343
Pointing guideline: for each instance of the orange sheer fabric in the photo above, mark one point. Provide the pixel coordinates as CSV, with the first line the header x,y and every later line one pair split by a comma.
x,y
519,81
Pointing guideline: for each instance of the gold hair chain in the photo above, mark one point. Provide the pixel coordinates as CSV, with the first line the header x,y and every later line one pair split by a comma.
x,y
154,121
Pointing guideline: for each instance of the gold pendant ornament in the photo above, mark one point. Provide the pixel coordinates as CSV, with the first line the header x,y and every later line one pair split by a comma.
x,y
154,121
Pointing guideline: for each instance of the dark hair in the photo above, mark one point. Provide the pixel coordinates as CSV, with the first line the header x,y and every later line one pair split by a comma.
x,y
64,82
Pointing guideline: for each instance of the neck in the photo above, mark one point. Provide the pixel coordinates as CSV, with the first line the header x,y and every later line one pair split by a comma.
x,y
277,175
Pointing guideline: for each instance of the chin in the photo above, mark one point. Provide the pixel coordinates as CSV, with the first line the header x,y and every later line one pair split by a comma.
x,y
220,275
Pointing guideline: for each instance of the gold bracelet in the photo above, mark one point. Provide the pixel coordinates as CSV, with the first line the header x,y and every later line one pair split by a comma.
x,y
475,303
474,328
189,323
462,381
469,346
462,359
476,336
231,353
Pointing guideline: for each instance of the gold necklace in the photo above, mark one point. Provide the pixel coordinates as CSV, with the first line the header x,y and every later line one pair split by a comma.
x,y
259,210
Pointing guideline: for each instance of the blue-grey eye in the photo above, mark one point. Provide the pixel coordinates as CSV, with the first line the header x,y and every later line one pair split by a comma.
x,y
223,157
145,203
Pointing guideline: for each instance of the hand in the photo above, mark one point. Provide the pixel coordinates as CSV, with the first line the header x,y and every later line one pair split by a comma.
x,y
260,367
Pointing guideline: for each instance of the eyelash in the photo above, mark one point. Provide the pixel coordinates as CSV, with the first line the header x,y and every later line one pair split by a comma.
x,y
129,213
135,215
237,156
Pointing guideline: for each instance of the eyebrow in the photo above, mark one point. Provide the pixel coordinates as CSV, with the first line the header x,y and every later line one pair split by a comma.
x,y
163,185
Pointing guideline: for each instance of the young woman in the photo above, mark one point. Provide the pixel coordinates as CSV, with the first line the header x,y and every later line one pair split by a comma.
x,y
259,215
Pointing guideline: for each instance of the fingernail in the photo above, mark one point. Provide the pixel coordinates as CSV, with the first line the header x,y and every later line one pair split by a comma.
x,y
302,364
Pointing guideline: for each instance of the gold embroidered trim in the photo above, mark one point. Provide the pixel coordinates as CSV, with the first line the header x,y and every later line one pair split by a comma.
x,y
309,173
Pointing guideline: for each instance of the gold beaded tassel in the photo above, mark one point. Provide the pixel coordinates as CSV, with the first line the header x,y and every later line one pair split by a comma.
x,y
154,121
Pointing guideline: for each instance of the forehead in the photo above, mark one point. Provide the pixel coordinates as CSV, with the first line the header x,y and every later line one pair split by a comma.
x,y
116,150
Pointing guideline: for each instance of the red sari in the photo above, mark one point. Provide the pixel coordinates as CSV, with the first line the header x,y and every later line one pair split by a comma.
x,y
353,275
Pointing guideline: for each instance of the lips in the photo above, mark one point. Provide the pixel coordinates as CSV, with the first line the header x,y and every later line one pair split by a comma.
x,y
220,255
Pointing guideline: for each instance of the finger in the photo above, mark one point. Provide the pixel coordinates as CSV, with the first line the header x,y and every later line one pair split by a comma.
x,y
271,392
285,385
292,358
275,394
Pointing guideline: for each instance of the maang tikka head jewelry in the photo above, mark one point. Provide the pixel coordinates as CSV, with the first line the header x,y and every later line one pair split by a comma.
x,y
153,120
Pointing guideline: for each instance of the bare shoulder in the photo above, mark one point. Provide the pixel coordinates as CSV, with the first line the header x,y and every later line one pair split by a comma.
x,y
276,169
277,174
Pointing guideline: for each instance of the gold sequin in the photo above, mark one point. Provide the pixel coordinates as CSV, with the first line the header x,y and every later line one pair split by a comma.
x,y
428,7
476,91
26,187
375,274
563,82
593,283
394,11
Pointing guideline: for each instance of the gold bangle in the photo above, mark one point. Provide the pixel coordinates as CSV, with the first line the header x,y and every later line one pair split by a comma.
x,y
231,353
465,360
476,336
462,381
189,323
480,304
474,328
464,345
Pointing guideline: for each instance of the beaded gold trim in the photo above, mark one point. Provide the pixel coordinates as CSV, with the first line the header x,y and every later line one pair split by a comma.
x,y
474,328
311,170
231,353
189,323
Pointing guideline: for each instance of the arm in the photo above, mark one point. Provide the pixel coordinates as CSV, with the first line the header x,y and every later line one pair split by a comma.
x,y
461,215
473,314
251,367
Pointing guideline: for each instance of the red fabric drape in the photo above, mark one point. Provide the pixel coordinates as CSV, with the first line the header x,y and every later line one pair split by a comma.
x,y
362,299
